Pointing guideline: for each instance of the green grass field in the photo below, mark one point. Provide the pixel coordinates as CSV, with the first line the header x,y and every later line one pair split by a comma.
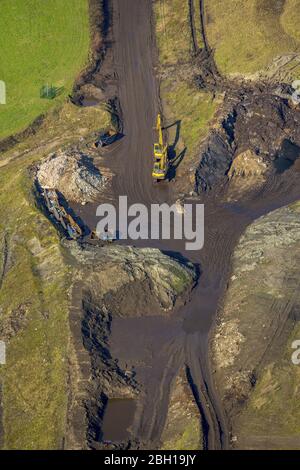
x,y
248,34
41,42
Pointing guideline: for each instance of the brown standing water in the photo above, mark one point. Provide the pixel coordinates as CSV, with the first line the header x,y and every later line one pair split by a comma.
x,y
158,347
118,418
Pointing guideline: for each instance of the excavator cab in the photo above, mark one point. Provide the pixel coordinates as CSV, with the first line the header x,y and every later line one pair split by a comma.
x,y
160,165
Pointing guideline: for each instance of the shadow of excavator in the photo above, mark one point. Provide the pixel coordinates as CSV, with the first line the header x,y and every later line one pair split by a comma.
x,y
174,157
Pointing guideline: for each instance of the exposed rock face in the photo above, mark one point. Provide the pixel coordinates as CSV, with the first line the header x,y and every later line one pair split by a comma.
x,y
135,282
259,122
72,174
215,161
251,345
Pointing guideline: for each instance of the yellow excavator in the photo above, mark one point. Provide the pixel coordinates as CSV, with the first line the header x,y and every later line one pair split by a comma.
x,y
160,166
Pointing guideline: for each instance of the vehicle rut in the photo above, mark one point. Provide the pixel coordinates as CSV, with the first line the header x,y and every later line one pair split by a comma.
x,y
134,52
183,337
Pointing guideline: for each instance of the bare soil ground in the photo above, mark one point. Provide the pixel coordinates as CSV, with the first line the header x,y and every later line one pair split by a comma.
x,y
185,337
158,347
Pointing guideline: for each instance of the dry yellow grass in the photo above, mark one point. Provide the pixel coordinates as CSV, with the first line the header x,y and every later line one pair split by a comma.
x,y
248,34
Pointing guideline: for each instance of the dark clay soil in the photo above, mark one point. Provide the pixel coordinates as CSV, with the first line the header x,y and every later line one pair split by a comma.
x,y
257,119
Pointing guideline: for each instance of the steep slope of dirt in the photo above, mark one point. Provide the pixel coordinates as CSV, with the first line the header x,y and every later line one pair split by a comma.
x,y
259,120
252,343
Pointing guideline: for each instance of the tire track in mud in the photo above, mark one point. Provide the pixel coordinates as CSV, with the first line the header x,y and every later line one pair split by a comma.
x,y
131,162
134,47
152,422
193,27
203,29
212,418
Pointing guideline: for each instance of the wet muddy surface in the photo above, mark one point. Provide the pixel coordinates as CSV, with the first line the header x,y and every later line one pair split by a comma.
x,y
119,414
155,349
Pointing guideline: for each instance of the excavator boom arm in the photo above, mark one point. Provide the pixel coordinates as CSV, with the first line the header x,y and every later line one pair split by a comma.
x,y
159,130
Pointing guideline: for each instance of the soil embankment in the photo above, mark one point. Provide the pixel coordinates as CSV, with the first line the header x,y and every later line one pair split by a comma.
x,y
252,342
129,293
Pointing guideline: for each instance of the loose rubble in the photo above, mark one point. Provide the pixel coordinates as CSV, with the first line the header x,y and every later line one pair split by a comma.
x,y
73,174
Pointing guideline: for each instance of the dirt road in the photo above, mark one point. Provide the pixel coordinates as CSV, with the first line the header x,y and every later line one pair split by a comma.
x,y
159,347
168,344
138,94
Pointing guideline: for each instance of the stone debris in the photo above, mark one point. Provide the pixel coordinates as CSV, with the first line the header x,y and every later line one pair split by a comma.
x,y
247,164
73,174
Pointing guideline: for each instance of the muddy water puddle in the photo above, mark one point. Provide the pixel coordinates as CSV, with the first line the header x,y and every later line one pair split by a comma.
x,y
118,418
89,102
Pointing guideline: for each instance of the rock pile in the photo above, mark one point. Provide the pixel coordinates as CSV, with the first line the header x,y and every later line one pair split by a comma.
x,y
73,174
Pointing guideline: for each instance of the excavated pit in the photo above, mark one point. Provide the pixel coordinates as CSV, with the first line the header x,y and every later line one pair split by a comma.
x,y
255,121
124,293
259,121
108,379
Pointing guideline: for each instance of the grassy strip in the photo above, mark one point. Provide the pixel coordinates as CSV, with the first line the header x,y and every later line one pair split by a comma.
x,y
34,291
192,107
34,297
173,31
188,438
290,19
182,101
